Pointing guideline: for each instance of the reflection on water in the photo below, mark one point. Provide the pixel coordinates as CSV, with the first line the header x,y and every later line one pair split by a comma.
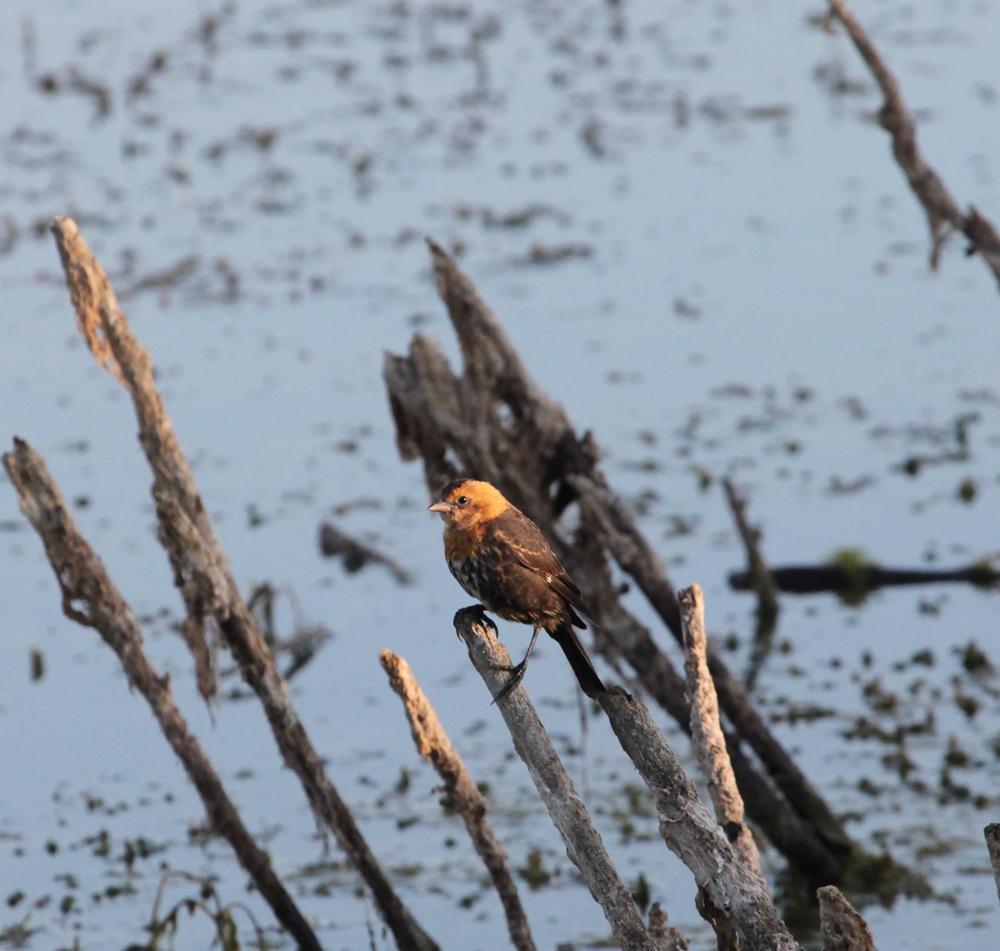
x,y
697,240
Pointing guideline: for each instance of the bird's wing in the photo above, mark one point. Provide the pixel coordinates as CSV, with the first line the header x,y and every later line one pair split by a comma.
x,y
532,551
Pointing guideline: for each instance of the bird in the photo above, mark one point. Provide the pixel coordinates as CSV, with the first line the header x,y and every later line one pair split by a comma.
x,y
500,557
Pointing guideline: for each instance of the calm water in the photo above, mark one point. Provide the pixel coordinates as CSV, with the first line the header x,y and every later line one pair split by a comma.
x,y
700,247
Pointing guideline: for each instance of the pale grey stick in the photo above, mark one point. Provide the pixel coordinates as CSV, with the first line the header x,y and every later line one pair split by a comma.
x,y
460,793
568,813
90,597
202,572
692,834
840,926
706,732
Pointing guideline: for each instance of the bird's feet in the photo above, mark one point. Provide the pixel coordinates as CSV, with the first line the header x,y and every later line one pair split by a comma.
x,y
516,676
477,614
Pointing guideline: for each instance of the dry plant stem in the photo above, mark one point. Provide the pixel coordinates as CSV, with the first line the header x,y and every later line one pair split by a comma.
x,y
89,597
992,833
761,578
441,417
707,738
460,793
569,815
941,210
840,926
691,833
201,568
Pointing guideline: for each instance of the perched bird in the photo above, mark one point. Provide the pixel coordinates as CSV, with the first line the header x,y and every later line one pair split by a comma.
x,y
499,556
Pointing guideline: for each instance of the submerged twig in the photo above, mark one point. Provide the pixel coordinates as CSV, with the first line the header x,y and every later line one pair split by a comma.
x,y
202,572
90,598
943,214
460,792
569,815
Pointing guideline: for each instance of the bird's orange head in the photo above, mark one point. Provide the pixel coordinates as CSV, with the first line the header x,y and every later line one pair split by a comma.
x,y
467,504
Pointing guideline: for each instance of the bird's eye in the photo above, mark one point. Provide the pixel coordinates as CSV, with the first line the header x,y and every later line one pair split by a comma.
x,y
462,500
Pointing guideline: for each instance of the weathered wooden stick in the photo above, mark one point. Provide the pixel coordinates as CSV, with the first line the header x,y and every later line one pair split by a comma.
x,y
90,598
737,891
992,833
567,811
940,208
460,793
840,926
706,733
201,568
533,455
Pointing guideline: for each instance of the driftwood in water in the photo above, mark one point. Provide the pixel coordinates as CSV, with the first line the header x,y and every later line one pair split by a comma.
x,y
494,423
202,573
816,579
334,543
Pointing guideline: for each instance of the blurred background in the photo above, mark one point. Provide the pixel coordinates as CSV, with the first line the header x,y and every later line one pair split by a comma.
x,y
693,231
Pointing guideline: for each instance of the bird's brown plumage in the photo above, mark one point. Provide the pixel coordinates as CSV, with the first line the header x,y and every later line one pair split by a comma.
x,y
501,557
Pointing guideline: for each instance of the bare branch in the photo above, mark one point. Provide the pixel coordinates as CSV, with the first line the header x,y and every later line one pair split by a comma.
x,y
706,733
761,580
691,833
941,210
583,843
91,598
460,793
992,833
202,573
187,533
841,927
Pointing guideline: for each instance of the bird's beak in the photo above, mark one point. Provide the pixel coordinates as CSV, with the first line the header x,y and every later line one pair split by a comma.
x,y
443,507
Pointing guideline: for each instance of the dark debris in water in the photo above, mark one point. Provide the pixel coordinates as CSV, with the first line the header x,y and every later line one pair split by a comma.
x,y
355,555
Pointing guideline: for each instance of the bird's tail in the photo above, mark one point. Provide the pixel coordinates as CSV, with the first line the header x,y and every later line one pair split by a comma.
x,y
566,638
